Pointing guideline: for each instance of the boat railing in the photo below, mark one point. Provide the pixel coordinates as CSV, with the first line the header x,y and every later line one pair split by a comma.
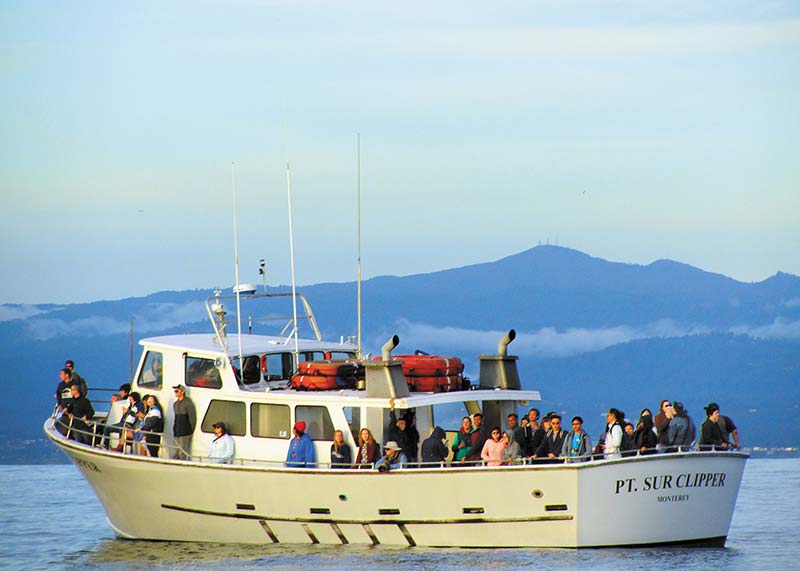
x,y
93,438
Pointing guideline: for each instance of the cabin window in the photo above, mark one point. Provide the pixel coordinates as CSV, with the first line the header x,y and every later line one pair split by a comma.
x,y
325,355
270,420
232,413
318,421
202,373
277,366
353,416
151,374
250,373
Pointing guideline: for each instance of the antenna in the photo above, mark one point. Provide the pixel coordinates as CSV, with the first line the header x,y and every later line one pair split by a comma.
x,y
236,268
358,264
291,255
262,270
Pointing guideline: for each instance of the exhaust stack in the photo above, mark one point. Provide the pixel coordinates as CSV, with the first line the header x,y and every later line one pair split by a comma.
x,y
500,371
385,378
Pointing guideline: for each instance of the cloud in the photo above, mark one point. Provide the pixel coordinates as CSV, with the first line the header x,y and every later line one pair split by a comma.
x,y
544,342
10,312
793,303
153,317
781,328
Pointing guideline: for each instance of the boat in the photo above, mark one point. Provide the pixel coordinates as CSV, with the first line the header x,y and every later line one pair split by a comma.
x,y
687,497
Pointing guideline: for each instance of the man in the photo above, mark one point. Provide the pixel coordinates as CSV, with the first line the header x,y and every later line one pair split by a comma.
x,y
183,424
399,431
710,431
515,431
77,416
529,428
480,434
63,393
301,453
393,459
70,366
577,445
553,443
117,427
539,435
728,428
222,448
434,449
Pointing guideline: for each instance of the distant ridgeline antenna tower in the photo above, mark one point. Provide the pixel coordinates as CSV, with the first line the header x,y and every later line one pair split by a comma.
x,y
262,271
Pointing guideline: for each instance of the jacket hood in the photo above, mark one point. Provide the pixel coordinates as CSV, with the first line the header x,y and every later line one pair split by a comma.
x,y
438,433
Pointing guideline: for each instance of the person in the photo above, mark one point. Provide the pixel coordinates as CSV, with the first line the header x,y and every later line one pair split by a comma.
x,y
393,459
514,429
492,451
553,443
131,418
117,427
183,423
462,443
540,434
680,432
613,439
368,450
222,448
728,429
63,392
398,431
511,449
152,426
76,378
628,447
577,444
341,455
661,422
301,452
533,433
76,420
434,449
644,437
710,431
480,435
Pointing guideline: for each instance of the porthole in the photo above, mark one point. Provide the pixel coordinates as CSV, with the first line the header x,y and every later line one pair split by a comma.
x,y
537,494
343,497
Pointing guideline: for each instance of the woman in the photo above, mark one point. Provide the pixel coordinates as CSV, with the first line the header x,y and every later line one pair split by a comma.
x,y
341,456
131,417
463,441
710,431
613,439
492,452
368,450
511,449
577,445
222,448
661,422
152,426
644,439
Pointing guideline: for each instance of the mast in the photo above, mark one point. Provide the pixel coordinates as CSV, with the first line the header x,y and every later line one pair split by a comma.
x,y
291,255
358,263
236,269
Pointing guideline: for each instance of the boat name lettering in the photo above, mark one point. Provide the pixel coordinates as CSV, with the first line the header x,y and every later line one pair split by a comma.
x,y
671,481
88,465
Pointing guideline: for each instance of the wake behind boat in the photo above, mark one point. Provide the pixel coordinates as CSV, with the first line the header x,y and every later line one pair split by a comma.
x,y
251,384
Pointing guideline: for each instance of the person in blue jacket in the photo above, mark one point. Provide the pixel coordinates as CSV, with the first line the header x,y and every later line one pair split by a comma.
x,y
301,453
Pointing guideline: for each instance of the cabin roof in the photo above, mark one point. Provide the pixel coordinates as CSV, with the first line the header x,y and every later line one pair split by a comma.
x,y
251,344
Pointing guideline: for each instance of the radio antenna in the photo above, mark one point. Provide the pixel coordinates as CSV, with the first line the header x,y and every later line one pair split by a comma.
x,y
291,255
358,263
236,267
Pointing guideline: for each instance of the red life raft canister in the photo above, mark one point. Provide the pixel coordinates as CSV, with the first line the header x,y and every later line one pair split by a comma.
x,y
431,373
325,375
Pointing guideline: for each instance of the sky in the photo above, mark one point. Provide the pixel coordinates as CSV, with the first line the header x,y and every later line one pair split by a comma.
x,y
632,131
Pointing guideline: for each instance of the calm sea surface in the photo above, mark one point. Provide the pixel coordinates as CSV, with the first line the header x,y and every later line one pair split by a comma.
x,y
50,519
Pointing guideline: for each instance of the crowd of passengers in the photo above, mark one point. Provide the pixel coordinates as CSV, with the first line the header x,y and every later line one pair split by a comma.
x,y
531,440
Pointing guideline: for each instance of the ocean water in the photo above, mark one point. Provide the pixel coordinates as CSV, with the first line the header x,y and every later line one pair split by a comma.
x,y
50,519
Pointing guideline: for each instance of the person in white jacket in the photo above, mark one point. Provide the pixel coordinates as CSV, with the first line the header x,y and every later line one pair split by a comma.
x,y
222,447
613,439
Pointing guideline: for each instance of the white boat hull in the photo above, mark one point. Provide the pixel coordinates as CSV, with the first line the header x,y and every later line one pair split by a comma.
x,y
661,499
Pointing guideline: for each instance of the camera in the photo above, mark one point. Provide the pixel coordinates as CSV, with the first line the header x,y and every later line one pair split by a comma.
x,y
383,468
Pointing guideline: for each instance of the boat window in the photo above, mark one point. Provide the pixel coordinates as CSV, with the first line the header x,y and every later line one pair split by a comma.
x,y
270,420
342,355
318,421
202,373
151,374
325,355
312,356
232,413
277,366
353,416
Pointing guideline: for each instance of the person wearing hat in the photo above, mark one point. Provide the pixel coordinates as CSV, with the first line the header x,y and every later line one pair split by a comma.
x,y
301,452
184,423
393,459
222,448
710,431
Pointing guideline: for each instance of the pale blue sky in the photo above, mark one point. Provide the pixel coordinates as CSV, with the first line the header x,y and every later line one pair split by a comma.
x,y
632,131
